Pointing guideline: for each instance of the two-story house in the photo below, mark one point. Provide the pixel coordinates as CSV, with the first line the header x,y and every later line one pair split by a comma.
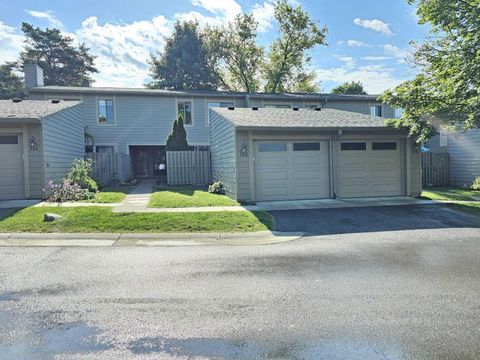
x,y
321,145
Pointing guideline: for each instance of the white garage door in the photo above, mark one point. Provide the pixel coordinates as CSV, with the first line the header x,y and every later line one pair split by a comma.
x,y
289,170
11,167
369,168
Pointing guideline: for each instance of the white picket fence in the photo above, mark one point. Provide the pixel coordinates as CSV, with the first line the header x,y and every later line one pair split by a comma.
x,y
188,168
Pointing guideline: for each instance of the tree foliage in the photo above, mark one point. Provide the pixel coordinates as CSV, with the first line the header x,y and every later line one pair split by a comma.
x,y
448,86
11,85
350,88
287,59
177,140
63,64
230,58
234,51
183,64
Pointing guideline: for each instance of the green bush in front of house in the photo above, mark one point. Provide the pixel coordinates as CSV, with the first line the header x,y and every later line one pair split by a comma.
x,y
217,188
476,184
81,174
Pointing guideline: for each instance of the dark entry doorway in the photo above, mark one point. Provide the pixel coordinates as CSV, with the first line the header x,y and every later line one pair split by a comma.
x,y
149,161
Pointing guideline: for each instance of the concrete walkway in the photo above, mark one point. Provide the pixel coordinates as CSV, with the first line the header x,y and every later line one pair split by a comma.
x,y
137,200
146,239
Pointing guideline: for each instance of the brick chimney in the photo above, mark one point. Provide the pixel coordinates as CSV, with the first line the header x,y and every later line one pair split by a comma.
x,y
33,76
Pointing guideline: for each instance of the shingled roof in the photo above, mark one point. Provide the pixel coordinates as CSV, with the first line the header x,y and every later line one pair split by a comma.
x,y
32,109
301,118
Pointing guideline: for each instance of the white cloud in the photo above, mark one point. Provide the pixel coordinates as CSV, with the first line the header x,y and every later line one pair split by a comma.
x,y
122,50
357,43
227,9
48,16
375,58
12,43
375,78
375,25
403,56
264,14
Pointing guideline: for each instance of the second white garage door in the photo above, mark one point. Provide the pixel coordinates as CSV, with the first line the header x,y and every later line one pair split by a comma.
x,y
291,170
368,169
11,167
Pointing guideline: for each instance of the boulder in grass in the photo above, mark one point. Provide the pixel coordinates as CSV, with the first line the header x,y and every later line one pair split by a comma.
x,y
51,217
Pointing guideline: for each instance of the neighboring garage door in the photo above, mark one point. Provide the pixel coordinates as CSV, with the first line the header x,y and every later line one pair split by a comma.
x,y
290,170
369,168
11,167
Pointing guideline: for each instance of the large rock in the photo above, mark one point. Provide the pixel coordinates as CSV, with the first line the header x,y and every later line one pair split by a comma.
x,y
51,217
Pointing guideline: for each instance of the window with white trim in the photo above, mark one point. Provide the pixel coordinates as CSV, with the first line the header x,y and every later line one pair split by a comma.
x,y
376,110
106,112
184,107
223,104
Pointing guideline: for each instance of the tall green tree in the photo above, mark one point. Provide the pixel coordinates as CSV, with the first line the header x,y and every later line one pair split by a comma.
x,y
183,64
448,84
350,88
288,57
63,64
235,53
11,85
177,139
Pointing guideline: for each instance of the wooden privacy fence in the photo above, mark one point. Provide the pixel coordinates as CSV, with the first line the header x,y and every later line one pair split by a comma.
x,y
434,169
109,168
188,167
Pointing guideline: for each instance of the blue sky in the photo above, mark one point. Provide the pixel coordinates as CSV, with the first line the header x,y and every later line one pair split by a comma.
x,y
367,40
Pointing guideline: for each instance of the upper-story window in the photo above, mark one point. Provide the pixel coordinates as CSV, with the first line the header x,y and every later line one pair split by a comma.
x,y
376,110
223,104
278,106
184,107
106,114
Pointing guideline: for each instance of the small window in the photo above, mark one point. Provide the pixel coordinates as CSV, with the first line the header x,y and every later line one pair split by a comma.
x,y
105,149
278,106
384,146
306,146
376,110
9,140
217,104
185,108
354,146
105,112
267,147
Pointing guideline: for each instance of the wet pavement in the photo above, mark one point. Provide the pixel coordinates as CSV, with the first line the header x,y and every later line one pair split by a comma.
x,y
407,294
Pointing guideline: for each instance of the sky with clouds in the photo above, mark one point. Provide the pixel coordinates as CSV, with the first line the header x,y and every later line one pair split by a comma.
x,y
367,40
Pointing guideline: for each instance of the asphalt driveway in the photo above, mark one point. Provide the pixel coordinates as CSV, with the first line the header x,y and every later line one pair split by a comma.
x,y
373,219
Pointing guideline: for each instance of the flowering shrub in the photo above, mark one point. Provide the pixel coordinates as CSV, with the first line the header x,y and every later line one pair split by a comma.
x,y
81,174
68,191
476,184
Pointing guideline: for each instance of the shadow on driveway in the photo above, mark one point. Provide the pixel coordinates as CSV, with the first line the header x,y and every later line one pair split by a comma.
x,y
372,219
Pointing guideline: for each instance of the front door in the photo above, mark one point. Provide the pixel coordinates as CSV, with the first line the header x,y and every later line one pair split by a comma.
x,y
149,161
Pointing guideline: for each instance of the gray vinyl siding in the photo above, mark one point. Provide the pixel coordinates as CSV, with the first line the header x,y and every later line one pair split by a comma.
x,y
63,142
223,155
464,150
35,162
433,144
243,170
415,170
362,107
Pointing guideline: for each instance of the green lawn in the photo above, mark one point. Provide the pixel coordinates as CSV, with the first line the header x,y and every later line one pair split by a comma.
x,y
450,193
471,208
101,219
114,194
187,196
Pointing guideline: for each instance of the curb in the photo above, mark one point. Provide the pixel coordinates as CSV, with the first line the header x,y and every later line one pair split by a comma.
x,y
132,239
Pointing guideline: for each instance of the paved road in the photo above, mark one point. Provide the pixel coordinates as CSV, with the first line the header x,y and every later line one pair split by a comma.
x,y
410,294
